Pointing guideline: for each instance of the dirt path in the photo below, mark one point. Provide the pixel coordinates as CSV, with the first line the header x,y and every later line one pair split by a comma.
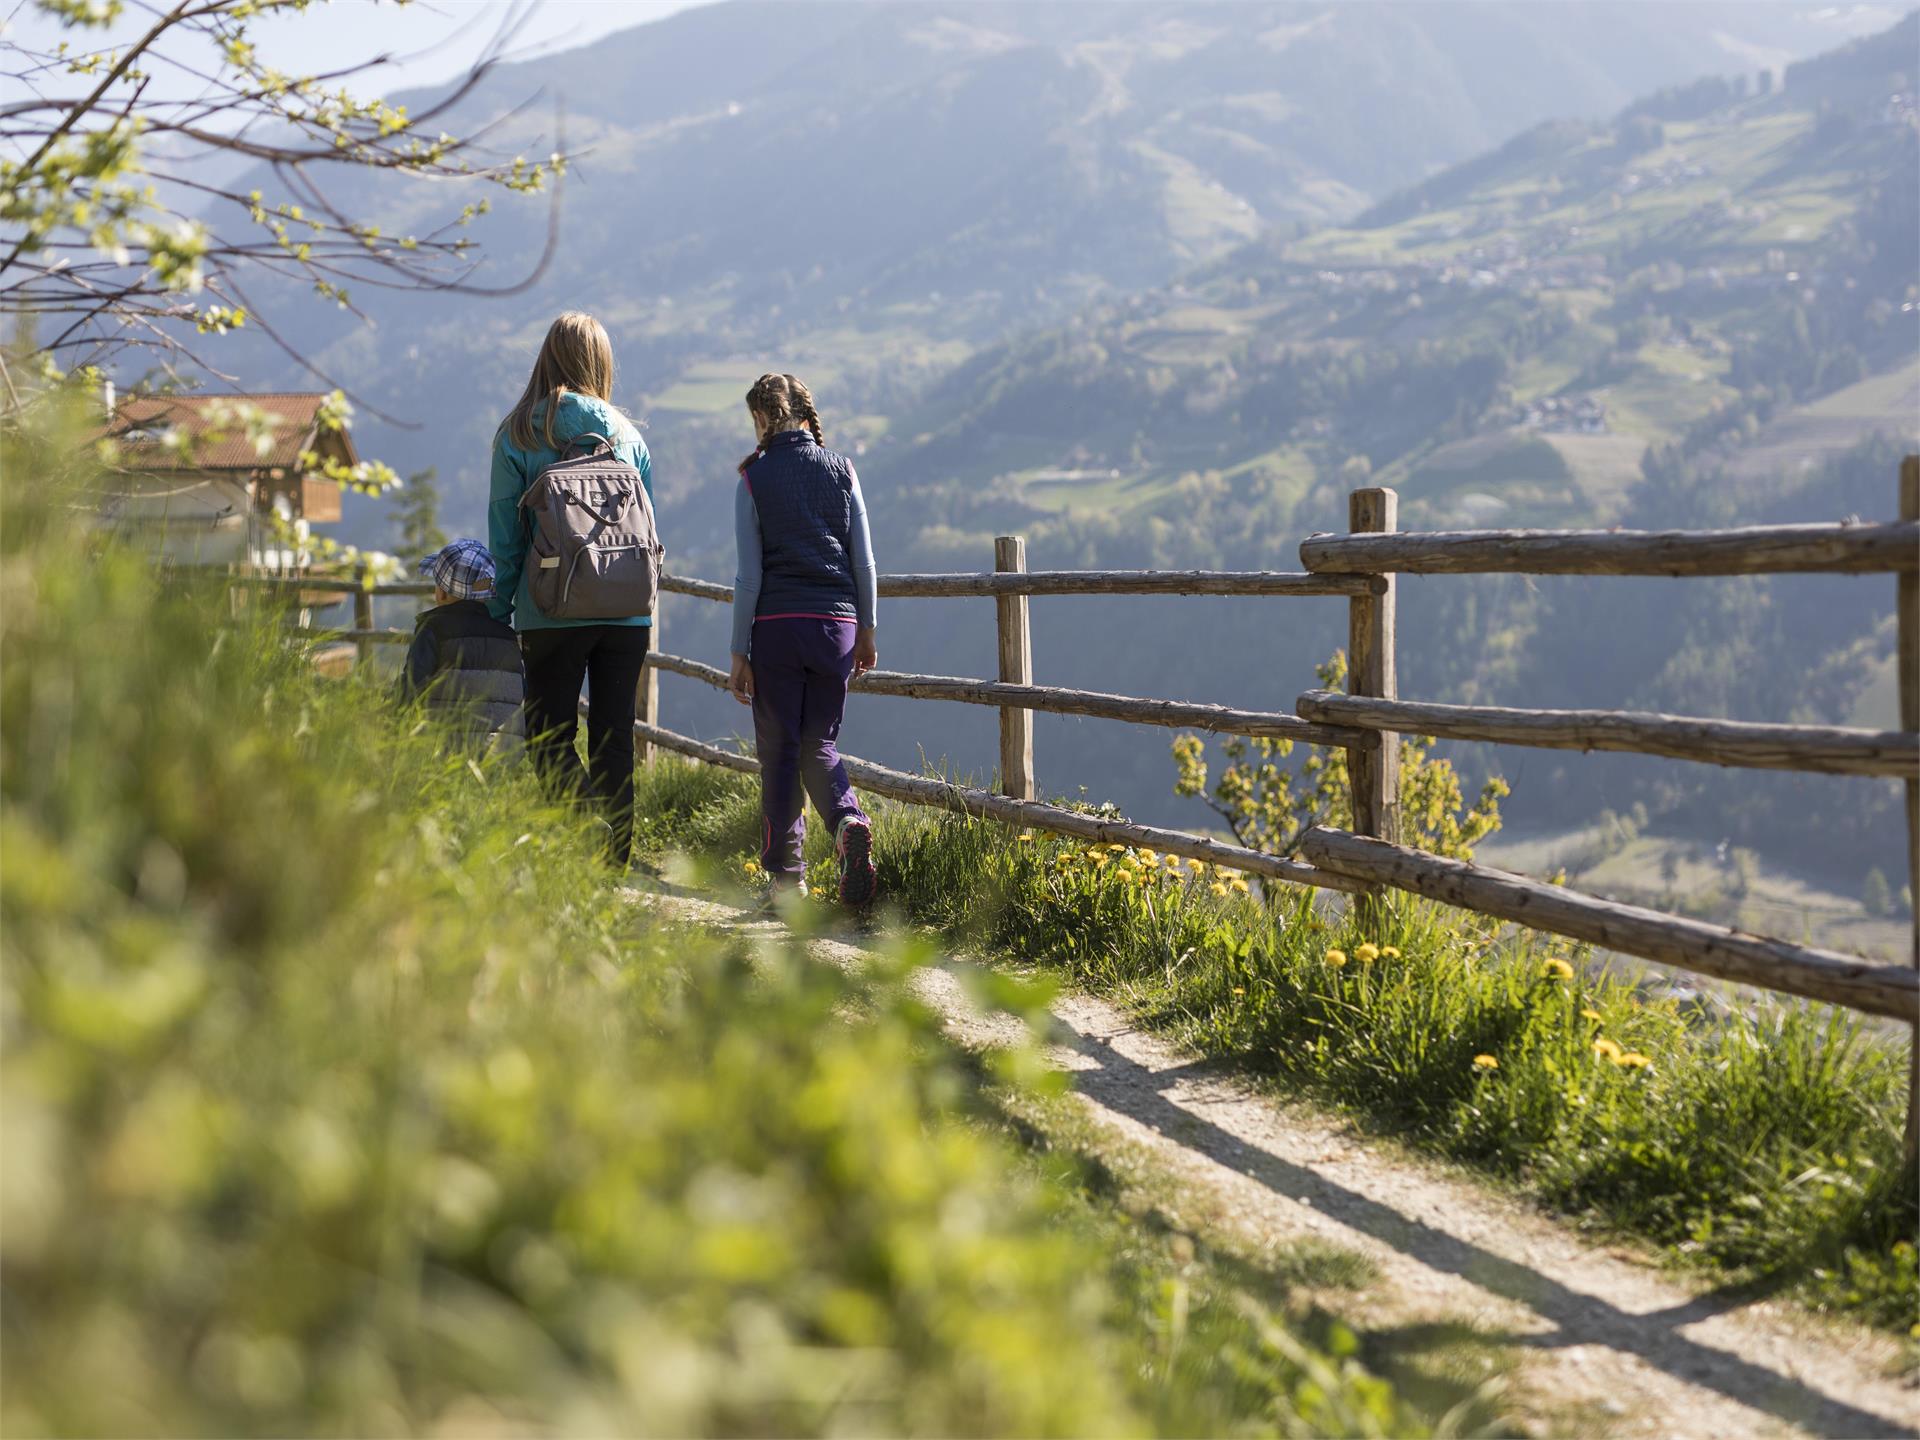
x,y
1604,1342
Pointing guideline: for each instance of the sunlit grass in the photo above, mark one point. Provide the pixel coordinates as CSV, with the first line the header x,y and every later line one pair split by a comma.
x,y
1764,1143
345,1092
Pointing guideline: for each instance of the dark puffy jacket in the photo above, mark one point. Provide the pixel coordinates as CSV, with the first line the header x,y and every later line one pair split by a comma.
x,y
804,496
467,665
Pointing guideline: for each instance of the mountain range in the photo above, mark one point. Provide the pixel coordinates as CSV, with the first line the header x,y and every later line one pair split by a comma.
x,y
1156,284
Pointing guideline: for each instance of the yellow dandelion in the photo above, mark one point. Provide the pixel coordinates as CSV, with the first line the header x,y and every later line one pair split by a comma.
x,y
1026,837
1336,958
1485,1062
1116,849
1367,954
1556,969
1240,885
1173,862
1100,862
1389,952
1241,990
1198,867
1632,1060
1608,1049
1217,888
1592,1014
1152,857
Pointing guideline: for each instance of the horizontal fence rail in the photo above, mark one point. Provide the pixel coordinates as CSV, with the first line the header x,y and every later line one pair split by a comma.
x,y
1362,566
1034,814
354,637
1890,990
1087,582
1825,749
1176,714
331,584
1753,550
699,589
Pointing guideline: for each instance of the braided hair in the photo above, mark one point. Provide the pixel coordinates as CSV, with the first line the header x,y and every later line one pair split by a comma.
x,y
781,402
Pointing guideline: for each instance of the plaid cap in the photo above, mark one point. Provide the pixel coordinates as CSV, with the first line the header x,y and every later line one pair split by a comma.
x,y
463,569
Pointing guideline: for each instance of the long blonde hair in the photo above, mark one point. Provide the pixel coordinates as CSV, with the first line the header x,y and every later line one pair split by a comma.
x,y
576,356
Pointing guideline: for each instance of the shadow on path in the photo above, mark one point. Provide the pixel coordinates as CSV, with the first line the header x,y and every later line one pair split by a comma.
x,y
1131,1089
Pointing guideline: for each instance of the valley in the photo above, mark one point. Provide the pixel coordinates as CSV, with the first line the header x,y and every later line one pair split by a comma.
x,y
1695,306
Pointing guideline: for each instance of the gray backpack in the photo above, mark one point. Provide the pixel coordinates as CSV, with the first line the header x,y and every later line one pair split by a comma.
x,y
594,551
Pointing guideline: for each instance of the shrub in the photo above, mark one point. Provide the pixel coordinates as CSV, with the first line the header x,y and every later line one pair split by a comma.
x,y
1268,807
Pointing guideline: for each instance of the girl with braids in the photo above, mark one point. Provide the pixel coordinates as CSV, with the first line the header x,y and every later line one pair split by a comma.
x,y
803,621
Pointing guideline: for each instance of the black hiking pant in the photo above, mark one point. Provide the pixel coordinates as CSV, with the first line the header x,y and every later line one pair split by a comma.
x,y
611,659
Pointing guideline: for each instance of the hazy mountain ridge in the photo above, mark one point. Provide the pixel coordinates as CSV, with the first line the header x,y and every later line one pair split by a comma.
x,y
928,177
1609,322
1504,340
872,190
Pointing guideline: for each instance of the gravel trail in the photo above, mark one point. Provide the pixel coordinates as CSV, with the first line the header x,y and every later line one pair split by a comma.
x,y
1605,1342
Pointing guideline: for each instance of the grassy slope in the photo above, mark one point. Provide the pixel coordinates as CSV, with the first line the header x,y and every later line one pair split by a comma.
x,y
342,1092
1766,1144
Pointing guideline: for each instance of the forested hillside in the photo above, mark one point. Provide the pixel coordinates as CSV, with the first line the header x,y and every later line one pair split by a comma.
x,y
1693,308
869,193
1701,311
1503,343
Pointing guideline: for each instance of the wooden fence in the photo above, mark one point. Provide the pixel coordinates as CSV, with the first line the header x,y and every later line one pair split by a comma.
x,y
1361,566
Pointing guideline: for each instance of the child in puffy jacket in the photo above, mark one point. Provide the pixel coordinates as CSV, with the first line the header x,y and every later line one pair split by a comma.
x,y
803,626
464,663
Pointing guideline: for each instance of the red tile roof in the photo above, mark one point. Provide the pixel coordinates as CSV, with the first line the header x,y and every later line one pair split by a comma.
x,y
293,418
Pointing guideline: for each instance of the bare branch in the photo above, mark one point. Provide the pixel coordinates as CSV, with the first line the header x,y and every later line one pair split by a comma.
x,y
121,265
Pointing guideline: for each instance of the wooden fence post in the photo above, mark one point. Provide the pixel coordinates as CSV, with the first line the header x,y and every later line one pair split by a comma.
x,y
1016,668
1907,658
1374,774
648,700
363,625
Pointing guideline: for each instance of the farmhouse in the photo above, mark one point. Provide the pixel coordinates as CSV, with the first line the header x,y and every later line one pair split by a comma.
x,y
198,478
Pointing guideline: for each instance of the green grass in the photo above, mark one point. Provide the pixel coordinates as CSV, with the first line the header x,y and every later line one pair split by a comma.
x,y
343,1092
1605,469
706,389
1765,1145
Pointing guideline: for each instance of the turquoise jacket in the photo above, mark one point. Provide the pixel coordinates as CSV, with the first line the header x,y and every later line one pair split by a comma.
x,y
514,469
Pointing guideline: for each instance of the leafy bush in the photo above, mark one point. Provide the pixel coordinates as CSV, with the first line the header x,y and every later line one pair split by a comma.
x,y
341,1092
1268,807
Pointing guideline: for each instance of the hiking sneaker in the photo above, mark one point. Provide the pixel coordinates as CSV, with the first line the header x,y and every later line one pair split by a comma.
x,y
779,891
853,845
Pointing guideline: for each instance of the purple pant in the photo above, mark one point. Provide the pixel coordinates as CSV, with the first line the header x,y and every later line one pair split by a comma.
x,y
800,671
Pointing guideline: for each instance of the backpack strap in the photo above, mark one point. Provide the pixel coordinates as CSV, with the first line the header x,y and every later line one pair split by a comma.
x,y
603,443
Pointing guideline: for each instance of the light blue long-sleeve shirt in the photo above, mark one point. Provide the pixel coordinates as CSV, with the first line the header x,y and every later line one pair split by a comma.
x,y
747,575
514,469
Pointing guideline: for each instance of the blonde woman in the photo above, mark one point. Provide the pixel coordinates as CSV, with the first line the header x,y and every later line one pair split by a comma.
x,y
569,394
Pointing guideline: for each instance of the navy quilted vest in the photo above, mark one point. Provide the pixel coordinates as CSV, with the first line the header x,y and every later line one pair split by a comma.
x,y
803,495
